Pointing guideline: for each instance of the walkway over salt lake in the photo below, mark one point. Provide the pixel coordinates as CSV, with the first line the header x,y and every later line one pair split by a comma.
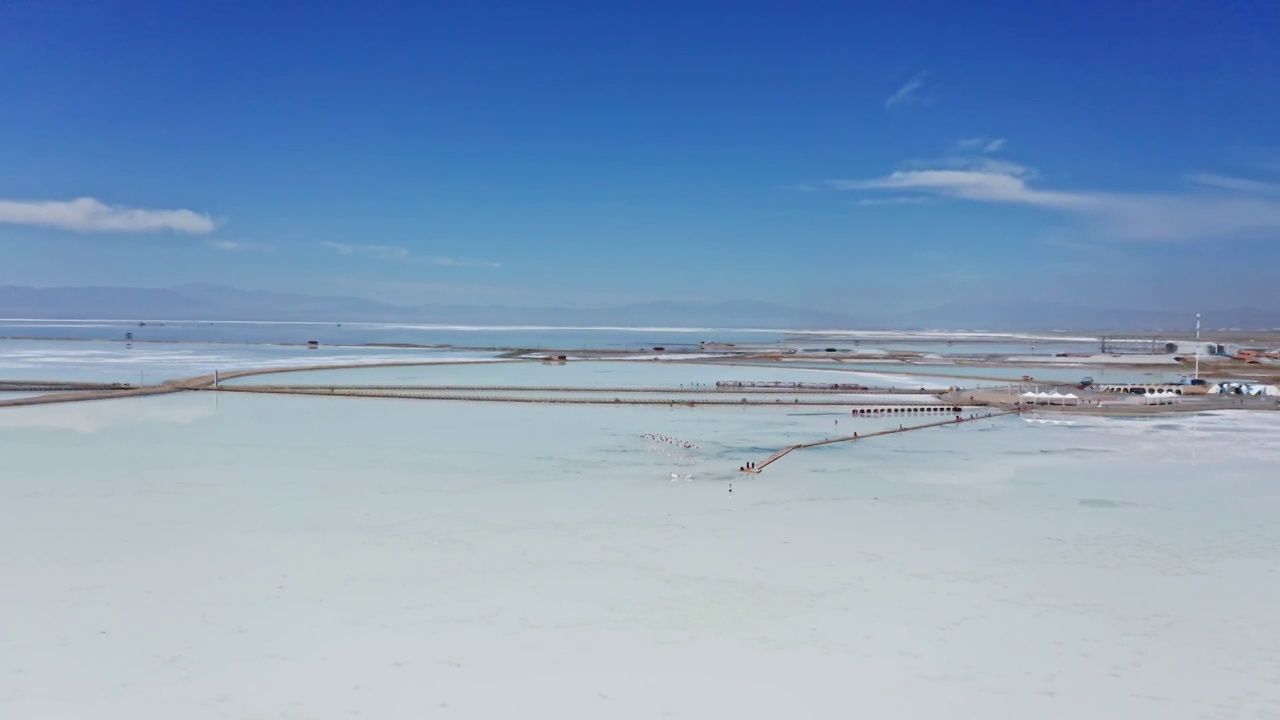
x,y
862,402
682,390
24,386
856,437
598,396
60,392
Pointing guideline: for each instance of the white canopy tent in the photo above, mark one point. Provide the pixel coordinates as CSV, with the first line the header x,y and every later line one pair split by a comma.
x,y
1050,398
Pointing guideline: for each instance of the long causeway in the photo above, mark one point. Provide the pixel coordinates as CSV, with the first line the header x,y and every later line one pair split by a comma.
x,y
860,436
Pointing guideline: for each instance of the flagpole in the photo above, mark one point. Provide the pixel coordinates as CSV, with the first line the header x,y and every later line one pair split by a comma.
x,y
1197,346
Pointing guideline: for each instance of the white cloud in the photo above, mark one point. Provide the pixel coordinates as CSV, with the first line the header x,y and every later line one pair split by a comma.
x,y
394,252
90,215
1135,216
978,145
907,94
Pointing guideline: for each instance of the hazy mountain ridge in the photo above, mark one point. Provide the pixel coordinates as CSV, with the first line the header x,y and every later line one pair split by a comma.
x,y
218,302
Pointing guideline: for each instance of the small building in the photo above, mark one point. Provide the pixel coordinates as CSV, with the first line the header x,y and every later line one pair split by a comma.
x,y
1201,347
1245,387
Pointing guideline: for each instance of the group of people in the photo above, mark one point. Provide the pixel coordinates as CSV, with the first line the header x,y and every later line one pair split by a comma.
x,y
749,467
671,441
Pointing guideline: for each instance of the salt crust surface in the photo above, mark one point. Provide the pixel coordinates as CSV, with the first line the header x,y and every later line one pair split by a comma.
x,y
230,556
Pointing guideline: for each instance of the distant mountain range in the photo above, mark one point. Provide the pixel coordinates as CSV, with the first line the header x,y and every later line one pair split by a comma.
x,y
219,302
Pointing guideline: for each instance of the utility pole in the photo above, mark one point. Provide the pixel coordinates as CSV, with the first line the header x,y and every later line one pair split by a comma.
x,y
1197,346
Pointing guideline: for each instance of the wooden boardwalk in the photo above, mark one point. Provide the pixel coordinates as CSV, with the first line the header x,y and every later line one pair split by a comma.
x,y
597,397
861,436
58,386
678,390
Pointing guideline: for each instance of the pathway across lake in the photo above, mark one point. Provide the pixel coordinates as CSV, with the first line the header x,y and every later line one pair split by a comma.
x,y
858,436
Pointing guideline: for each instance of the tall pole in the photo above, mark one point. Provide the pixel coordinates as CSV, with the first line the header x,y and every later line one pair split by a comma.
x,y
1197,346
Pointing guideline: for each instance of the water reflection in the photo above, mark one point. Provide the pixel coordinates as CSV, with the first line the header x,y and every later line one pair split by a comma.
x,y
96,415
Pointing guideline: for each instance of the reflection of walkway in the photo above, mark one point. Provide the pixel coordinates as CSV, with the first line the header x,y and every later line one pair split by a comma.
x,y
858,436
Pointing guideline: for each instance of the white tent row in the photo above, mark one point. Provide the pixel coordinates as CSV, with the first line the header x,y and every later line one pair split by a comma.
x,y
1165,397
1053,398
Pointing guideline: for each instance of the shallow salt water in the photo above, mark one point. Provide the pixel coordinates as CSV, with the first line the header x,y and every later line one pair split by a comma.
x,y
645,374
971,375
328,333
231,556
19,395
150,363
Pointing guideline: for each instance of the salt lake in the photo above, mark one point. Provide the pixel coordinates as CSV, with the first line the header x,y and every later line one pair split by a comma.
x,y
222,555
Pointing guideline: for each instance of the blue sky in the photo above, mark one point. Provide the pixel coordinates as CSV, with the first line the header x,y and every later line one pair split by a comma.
x,y
823,154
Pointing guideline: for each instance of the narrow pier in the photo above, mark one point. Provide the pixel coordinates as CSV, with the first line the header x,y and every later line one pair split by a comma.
x,y
690,389
593,396
860,436
58,386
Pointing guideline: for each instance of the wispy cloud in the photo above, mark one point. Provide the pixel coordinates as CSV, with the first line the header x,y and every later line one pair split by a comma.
x,y
1135,216
1224,182
382,252
394,252
90,215
907,94
237,245
463,262
978,145
895,200
1066,244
